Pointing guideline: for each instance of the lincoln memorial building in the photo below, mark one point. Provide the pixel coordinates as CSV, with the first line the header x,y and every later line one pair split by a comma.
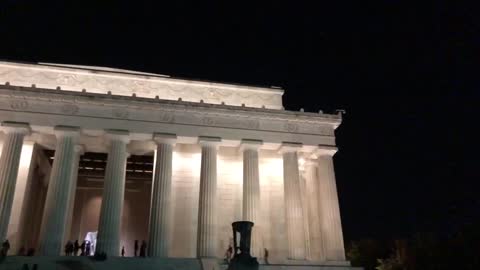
x,y
112,156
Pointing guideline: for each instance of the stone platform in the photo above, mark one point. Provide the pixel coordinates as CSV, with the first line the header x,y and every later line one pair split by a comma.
x,y
129,263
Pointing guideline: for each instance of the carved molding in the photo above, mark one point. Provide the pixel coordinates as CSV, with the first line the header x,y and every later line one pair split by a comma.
x,y
138,109
126,83
70,109
18,104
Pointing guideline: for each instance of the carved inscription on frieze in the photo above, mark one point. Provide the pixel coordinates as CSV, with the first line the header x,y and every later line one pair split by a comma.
x,y
120,113
19,104
69,109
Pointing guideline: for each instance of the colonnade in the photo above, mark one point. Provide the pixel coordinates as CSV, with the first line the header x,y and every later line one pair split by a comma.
x,y
59,202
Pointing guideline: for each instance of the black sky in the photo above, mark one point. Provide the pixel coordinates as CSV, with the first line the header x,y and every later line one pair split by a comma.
x,y
405,72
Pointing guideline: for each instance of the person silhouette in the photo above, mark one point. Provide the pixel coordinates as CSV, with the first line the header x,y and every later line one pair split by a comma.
x,y
70,248
123,251
82,248
87,248
265,255
21,251
143,249
228,253
76,247
30,252
67,248
135,248
5,248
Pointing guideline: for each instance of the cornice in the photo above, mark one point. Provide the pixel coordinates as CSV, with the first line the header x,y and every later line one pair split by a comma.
x,y
169,105
168,111
126,83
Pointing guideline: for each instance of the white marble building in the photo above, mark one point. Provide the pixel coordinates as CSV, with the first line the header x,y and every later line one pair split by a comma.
x,y
218,153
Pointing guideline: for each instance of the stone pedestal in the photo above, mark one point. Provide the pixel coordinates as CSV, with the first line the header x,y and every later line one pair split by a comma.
x,y
57,202
9,162
113,194
207,214
160,212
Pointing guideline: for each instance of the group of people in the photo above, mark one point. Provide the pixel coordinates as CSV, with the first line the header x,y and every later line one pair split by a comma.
x,y
21,252
72,248
143,249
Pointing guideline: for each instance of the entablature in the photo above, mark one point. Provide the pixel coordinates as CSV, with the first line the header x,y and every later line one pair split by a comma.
x,y
94,113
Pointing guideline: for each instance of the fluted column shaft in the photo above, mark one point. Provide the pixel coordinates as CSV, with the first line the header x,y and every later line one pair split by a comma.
x,y
329,208
251,190
293,206
207,214
56,204
306,227
9,162
316,241
108,239
78,149
160,210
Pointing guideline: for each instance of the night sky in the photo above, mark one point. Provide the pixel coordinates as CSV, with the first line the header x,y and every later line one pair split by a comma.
x,y
407,75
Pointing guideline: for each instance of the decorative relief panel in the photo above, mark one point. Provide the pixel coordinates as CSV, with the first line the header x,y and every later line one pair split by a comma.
x,y
120,113
69,109
99,81
162,112
166,117
291,127
18,105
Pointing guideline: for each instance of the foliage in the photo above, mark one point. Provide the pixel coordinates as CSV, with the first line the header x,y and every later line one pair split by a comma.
x,y
364,253
423,251
389,264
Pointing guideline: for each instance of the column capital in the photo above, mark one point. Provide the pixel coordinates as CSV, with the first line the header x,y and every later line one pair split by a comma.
x,y
324,150
117,135
249,144
16,127
165,138
289,147
66,131
209,141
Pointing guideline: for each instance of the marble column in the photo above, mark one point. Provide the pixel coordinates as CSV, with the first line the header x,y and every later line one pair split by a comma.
x,y
329,208
207,214
9,162
293,202
108,239
161,204
56,204
311,186
78,149
304,201
251,191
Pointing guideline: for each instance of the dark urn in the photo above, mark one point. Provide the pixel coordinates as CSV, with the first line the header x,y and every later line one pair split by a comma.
x,y
241,258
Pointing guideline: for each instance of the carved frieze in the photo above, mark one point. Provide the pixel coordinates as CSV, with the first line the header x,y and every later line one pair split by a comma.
x,y
125,84
291,127
69,109
104,106
18,104
120,113
166,117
